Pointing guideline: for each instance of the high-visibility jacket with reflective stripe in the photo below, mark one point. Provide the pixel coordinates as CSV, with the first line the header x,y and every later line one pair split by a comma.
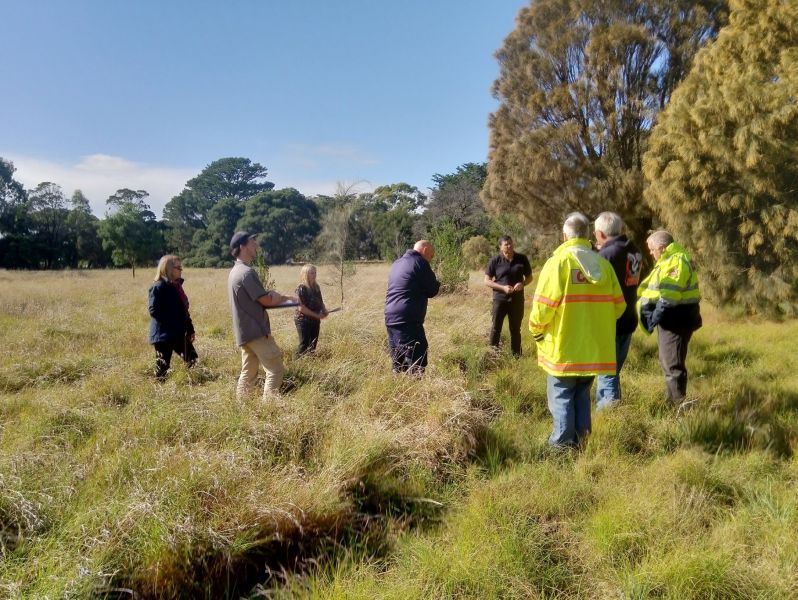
x,y
669,295
577,301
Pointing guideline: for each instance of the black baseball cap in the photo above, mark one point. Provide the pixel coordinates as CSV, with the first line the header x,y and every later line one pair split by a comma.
x,y
239,239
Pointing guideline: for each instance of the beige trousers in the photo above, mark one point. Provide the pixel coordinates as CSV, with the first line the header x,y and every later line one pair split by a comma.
x,y
262,352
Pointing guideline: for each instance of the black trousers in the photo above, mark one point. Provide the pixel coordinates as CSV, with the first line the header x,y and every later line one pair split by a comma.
x,y
408,346
672,356
163,354
308,331
514,311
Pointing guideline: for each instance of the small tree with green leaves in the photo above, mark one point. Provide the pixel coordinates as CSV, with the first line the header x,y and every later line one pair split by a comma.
x,y
130,230
449,264
722,162
264,273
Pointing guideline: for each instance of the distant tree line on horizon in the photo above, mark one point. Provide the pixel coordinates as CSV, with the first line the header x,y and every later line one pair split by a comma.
x,y
43,229
680,114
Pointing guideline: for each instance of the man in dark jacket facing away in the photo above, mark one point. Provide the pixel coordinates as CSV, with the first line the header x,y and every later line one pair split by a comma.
x,y
411,283
626,260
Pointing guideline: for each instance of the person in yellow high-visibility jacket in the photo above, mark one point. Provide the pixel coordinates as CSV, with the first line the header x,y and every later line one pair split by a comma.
x,y
668,301
577,300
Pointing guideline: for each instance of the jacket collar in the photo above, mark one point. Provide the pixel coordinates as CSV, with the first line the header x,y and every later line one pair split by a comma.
x,y
673,249
573,242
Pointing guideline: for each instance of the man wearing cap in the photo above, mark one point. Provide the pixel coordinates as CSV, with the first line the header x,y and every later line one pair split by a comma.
x,y
248,299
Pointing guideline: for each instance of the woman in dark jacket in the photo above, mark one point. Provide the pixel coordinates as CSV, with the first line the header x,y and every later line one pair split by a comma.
x,y
311,310
171,329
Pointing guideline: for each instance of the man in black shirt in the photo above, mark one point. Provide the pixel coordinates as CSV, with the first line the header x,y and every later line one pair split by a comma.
x,y
507,274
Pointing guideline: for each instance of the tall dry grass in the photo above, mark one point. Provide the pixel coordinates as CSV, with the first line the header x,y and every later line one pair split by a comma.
x,y
362,484
112,481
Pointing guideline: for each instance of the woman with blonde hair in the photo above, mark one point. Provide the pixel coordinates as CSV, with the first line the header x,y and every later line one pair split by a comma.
x,y
171,329
311,310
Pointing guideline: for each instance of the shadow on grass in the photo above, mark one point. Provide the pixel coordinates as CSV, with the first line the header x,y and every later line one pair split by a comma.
x,y
750,419
265,562
718,360
293,546
493,452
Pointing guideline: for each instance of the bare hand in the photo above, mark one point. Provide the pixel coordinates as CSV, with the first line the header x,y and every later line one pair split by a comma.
x,y
518,287
508,289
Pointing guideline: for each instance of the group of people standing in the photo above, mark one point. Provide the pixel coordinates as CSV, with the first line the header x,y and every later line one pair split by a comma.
x,y
171,329
583,316
588,301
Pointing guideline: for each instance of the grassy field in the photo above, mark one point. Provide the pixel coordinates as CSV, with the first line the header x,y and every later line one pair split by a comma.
x,y
358,483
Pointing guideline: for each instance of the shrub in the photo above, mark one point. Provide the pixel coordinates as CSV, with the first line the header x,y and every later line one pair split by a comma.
x,y
477,251
449,265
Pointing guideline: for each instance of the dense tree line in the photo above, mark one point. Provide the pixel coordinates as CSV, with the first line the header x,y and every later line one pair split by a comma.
x,y
41,229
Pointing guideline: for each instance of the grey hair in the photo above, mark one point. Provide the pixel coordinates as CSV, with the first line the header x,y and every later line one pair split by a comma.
x,y
576,226
609,223
660,239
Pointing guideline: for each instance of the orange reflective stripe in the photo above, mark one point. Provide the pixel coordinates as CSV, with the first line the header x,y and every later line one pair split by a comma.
x,y
546,301
588,298
578,366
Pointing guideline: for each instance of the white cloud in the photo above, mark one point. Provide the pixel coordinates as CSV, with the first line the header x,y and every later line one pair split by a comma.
x,y
100,175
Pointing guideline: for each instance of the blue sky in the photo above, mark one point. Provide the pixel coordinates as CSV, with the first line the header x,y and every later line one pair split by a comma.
x,y
100,95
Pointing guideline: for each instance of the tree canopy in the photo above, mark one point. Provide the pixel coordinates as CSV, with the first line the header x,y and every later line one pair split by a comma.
x,y
456,199
722,160
130,231
579,88
283,219
237,178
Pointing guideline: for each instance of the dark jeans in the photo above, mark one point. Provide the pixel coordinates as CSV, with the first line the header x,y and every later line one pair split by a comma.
x,y
308,331
163,354
408,346
672,356
514,311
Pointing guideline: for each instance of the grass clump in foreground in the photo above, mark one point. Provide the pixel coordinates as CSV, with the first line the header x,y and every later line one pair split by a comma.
x,y
112,482
359,484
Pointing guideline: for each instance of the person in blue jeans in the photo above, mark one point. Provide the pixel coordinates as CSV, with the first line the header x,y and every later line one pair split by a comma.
x,y
576,304
627,261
